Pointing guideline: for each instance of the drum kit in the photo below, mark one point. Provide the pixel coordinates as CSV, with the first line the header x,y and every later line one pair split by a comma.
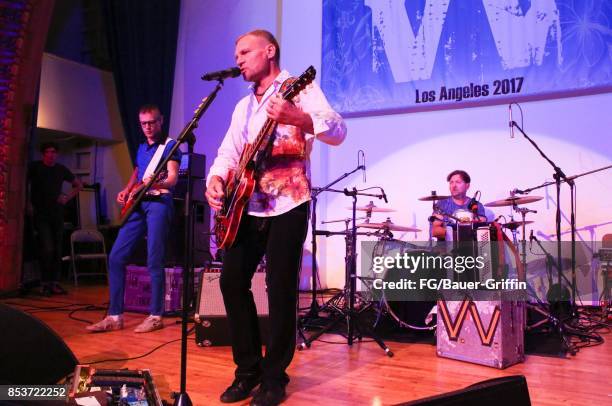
x,y
383,232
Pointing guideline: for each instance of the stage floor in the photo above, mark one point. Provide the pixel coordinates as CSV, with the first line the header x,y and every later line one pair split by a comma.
x,y
327,373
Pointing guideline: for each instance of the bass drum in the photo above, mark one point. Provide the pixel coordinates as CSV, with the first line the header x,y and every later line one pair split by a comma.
x,y
412,315
403,307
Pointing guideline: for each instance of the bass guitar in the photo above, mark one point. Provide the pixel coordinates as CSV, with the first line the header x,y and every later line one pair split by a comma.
x,y
133,193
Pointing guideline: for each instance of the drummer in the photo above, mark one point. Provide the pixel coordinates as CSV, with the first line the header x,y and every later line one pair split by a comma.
x,y
456,206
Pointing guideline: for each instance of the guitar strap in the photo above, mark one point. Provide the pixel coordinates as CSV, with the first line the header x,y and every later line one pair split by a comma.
x,y
156,158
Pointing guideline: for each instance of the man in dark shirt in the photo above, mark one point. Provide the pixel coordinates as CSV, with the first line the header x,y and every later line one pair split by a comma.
x,y
46,203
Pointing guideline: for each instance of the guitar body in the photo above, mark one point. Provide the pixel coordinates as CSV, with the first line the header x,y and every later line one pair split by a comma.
x,y
127,208
227,220
134,195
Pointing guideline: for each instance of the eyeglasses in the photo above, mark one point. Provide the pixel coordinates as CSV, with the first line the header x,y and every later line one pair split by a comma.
x,y
151,122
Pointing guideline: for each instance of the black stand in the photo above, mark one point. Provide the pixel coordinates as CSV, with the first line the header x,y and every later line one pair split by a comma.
x,y
355,326
559,176
550,316
572,218
182,398
313,313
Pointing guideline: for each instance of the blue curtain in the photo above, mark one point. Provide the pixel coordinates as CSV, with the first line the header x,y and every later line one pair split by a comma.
x,y
142,36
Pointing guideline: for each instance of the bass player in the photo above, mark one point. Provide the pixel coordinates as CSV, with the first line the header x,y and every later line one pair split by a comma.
x,y
153,216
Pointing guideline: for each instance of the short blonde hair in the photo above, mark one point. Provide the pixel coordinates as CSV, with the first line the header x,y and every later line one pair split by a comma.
x,y
268,36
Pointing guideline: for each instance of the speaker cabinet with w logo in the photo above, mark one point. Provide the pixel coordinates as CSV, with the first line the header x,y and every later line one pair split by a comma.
x,y
482,332
212,328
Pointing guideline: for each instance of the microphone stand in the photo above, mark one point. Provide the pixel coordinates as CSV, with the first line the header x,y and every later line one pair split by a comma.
x,y
182,398
559,176
313,313
569,180
554,320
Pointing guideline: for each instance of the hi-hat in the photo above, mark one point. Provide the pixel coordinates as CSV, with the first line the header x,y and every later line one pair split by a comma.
x,y
432,197
388,225
371,207
514,200
513,225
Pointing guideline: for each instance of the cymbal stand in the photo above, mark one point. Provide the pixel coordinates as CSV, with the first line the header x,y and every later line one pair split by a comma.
x,y
523,212
313,313
338,304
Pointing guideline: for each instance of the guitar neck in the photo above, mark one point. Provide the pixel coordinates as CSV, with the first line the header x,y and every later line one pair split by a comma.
x,y
252,149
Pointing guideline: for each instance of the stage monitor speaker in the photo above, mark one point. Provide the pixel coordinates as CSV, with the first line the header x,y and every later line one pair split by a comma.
x,y
506,391
30,352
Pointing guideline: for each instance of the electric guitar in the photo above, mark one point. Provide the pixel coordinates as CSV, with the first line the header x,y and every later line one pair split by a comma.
x,y
241,181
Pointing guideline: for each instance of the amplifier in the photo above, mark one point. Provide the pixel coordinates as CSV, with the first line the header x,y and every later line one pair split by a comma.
x,y
196,163
210,301
211,327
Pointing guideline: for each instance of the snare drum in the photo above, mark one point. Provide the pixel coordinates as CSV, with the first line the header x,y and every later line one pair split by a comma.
x,y
463,216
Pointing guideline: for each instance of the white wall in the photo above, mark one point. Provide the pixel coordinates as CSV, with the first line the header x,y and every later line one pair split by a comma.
x,y
78,99
78,104
407,154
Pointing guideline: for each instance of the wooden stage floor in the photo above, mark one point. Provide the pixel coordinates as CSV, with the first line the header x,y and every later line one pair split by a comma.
x,y
324,374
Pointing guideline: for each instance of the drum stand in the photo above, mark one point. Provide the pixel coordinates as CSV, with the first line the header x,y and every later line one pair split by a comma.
x,y
523,212
343,304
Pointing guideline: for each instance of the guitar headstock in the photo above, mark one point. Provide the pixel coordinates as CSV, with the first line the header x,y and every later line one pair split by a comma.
x,y
300,83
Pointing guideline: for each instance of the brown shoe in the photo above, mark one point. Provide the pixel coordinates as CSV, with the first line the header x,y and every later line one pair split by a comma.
x,y
106,324
149,324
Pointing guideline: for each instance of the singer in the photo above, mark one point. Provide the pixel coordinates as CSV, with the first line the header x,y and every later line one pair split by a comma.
x,y
276,218
459,205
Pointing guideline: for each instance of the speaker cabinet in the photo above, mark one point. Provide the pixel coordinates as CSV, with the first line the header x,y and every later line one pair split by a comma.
x,y
212,328
30,352
175,246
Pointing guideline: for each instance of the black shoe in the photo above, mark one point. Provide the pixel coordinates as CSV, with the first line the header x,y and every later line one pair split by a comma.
x,y
46,291
269,395
56,289
239,390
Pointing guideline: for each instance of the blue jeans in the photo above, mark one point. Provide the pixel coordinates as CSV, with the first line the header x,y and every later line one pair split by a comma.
x,y
155,217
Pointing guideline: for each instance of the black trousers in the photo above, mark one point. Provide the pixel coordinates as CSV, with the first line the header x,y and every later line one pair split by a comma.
x,y
50,229
281,239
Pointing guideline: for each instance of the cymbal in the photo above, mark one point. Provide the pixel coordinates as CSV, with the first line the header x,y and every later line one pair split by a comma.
x,y
433,196
371,207
388,225
513,225
512,200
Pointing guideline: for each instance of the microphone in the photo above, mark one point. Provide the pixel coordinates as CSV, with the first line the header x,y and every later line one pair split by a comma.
x,y
384,195
361,158
517,191
531,237
222,74
473,204
511,121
